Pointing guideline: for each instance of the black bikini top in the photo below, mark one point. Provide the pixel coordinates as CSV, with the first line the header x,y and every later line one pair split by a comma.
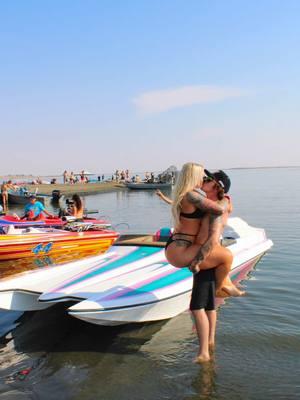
x,y
194,215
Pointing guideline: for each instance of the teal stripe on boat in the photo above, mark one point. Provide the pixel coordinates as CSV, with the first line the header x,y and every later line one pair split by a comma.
x,y
177,276
134,256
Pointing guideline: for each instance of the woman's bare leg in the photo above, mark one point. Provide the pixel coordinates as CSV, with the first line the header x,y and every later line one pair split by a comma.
x,y
4,201
221,259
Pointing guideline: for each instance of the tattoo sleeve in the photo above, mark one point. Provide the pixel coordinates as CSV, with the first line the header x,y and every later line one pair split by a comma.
x,y
205,204
215,228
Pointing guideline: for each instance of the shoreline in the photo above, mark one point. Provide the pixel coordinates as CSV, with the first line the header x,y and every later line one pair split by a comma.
x,y
79,188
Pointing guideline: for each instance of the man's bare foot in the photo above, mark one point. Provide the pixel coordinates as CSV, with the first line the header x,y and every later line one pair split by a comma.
x,y
202,358
211,346
228,291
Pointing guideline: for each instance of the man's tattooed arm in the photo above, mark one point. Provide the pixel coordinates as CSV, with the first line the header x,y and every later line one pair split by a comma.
x,y
215,229
204,204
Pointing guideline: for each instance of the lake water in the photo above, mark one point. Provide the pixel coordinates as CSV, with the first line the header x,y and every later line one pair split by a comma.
x,y
258,336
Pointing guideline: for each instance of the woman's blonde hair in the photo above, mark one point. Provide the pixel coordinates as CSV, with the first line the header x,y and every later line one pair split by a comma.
x,y
191,176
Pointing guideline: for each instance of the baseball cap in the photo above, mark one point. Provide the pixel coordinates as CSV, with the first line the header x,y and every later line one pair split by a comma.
x,y
220,177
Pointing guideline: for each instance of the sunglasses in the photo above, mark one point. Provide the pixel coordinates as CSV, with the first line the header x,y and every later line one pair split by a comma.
x,y
209,179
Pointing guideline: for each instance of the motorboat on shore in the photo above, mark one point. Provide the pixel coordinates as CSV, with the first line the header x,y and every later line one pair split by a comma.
x,y
132,282
148,185
51,222
18,243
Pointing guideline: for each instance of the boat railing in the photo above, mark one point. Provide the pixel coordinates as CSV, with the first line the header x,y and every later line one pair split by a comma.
x,y
140,240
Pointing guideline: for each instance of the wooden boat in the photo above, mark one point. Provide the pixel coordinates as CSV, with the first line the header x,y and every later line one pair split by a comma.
x,y
132,282
22,197
148,186
17,243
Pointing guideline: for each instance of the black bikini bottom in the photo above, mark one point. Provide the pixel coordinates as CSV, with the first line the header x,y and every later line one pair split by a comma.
x,y
171,239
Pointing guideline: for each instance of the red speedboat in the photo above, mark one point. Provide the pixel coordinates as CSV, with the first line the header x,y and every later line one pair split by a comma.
x,y
51,222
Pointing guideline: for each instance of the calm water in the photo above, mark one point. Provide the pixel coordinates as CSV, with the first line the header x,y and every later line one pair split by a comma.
x,y
258,338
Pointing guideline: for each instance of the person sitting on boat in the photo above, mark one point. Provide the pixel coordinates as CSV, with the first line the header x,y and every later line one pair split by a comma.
x,y
34,210
74,207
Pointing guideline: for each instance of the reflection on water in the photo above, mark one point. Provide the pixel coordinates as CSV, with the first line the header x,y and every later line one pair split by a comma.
x,y
12,267
258,343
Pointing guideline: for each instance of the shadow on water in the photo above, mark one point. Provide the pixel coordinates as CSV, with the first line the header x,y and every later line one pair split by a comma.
x,y
53,330
50,352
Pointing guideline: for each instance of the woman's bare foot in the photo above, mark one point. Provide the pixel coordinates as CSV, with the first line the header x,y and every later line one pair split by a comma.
x,y
211,346
222,294
202,358
230,290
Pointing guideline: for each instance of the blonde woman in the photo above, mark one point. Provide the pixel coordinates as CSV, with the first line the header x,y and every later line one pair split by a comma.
x,y
198,220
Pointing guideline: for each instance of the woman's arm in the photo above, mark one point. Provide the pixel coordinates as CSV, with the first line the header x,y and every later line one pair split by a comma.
x,y
164,197
205,204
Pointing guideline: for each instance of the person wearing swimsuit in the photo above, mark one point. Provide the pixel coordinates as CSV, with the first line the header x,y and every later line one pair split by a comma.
x,y
195,244
5,187
76,206
197,221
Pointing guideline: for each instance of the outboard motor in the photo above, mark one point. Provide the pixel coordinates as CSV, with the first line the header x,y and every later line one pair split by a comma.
x,y
56,195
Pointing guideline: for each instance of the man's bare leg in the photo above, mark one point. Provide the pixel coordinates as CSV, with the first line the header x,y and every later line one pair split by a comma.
x,y
212,321
202,327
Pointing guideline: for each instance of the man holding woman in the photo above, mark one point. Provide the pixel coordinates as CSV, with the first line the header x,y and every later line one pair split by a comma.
x,y
199,222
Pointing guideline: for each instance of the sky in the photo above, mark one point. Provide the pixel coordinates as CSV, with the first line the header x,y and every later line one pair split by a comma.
x,y
139,84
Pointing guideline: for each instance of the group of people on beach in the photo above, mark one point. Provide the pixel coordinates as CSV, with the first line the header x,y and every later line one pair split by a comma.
x,y
200,208
72,178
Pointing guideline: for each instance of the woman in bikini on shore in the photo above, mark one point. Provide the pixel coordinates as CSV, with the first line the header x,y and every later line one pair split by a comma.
x,y
198,225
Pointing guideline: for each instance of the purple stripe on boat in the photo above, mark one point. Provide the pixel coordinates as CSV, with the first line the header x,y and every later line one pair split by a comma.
x,y
138,285
102,263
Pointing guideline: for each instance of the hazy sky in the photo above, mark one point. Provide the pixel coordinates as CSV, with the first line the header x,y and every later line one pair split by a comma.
x,y
142,84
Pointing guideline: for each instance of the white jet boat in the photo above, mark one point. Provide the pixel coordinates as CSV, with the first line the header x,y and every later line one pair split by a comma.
x,y
132,282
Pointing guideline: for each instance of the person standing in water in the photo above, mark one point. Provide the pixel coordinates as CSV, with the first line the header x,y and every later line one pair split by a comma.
x,y
203,294
5,187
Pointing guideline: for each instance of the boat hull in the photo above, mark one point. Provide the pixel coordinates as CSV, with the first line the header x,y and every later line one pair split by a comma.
x,y
50,222
133,281
156,310
53,243
148,186
14,198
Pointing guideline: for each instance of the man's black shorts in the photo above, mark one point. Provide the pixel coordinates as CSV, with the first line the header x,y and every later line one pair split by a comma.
x,y
203,293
